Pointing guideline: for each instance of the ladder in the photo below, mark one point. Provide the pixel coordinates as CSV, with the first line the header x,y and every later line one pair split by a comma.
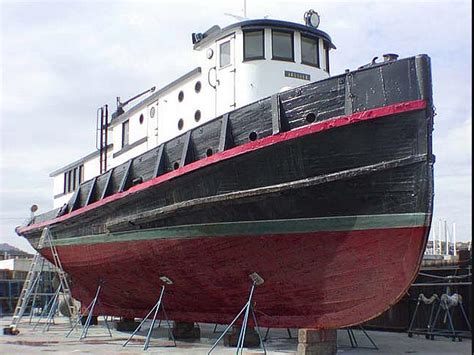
x,y
33,278
102,136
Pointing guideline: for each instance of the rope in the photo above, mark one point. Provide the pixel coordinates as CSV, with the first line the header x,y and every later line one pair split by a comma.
x,y
450,301
430,300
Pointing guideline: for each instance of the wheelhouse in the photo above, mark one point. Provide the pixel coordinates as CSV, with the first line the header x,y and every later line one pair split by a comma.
x,y
236,65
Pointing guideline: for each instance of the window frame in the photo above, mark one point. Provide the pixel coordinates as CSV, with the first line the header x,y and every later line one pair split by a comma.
x,y
81,174
65,191
248,59
69,181
125,124
220,54
292,33
318,59
73,178
326,56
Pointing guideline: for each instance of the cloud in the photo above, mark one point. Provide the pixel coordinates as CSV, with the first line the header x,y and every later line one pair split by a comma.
x,y
453,150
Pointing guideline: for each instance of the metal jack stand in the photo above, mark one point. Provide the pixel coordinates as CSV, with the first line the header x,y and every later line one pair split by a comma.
x,y
248,308
52,312
90,311
427,301
353,339
51,308
156,309
448,302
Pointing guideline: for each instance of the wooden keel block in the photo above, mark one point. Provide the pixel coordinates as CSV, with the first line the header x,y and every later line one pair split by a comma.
x,y
314,341
317,349
126,325
310,336
10,331
186,330
94,320
251,340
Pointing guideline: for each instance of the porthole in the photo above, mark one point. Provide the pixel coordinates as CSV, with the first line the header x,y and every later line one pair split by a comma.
x,y
197,115
253,136
209,53
181,96
310,117
180,124
209,152
141,119
152,112
175,165
197,87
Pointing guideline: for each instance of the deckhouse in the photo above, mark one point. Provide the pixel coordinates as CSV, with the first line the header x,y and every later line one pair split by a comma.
x,y
236,65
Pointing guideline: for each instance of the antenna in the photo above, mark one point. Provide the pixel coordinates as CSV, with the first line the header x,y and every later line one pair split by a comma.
x,y
454,239
238,17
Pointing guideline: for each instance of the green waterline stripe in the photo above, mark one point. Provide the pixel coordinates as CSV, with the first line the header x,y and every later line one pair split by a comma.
x,y
286,226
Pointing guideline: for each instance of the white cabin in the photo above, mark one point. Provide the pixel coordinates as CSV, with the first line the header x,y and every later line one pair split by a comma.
x,y
236,65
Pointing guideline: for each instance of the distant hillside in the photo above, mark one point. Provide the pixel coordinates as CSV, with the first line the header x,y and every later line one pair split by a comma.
x,y
12,251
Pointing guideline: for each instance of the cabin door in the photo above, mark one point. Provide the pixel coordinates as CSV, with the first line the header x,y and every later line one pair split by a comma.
x,y
225,75
151,126
154,121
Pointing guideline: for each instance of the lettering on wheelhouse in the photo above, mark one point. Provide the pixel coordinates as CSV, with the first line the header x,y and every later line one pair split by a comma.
x,y
296,75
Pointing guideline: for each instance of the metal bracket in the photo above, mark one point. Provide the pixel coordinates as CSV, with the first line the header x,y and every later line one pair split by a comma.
x,y
160,161
279,122
90,310
186,155
155,309
225,139
248,308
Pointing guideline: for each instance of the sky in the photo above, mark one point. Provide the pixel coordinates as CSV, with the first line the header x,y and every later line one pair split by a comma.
x,y
61,60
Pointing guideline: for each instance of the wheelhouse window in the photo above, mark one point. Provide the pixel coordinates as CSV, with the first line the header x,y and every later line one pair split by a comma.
x,y
326,53
73,178
310,51
282,46
67,181
254,45
125,131
81,173
224,54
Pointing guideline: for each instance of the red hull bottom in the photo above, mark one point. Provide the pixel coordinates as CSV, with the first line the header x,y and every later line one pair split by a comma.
x,y
312,280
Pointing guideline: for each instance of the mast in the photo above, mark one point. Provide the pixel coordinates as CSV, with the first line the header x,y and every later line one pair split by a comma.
x,y
454,238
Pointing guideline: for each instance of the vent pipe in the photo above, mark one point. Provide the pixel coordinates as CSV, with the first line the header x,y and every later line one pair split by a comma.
x,y
389,57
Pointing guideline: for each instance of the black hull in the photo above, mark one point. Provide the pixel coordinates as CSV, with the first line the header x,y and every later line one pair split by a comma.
x,y
371,166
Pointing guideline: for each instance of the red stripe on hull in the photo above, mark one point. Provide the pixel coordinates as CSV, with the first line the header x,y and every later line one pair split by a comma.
x,y
316,280
243,149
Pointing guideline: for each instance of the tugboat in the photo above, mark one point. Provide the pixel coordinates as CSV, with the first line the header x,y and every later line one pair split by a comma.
x,y
256,161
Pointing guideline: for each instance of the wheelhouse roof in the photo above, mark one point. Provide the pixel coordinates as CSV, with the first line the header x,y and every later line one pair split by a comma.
x,y
215,32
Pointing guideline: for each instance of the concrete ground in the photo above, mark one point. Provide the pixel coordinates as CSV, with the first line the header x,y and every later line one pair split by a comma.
x,y
278,342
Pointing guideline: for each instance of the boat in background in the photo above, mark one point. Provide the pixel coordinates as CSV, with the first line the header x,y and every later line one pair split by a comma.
x,y
256,161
